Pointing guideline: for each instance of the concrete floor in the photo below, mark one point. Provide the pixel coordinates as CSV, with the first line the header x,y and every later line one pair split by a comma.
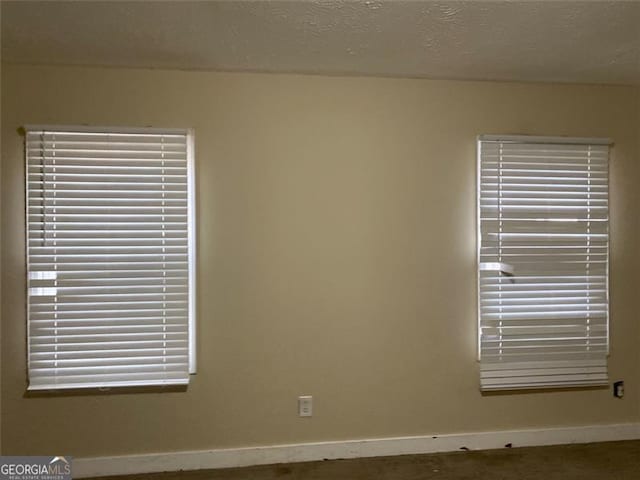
x,y
596,461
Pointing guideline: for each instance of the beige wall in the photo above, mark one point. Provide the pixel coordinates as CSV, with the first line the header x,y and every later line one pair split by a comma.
x,y
336,243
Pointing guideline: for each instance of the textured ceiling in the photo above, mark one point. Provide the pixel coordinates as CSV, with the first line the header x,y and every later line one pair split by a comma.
x,y
592,42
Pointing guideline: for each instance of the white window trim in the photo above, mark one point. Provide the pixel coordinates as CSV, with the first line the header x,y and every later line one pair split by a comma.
x,y
191,202
545,139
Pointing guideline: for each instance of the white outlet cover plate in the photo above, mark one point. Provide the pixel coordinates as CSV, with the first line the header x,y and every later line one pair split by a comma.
x,y
305,405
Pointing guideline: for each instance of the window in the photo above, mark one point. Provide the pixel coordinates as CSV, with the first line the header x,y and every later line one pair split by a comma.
x,y
543,248
110,255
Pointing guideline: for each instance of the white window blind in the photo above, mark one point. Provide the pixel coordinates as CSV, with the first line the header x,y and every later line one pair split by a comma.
x,y
110,257
543,246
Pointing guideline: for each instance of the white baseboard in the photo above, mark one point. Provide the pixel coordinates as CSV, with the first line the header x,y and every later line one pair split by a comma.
x,y
304,452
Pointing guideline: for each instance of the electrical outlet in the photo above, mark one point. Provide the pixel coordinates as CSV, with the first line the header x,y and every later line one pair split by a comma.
x,y
618,389
305,406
